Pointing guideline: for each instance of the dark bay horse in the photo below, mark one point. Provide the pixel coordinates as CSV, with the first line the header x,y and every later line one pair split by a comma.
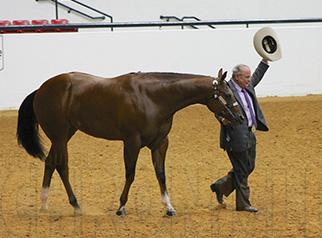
x,y
136,108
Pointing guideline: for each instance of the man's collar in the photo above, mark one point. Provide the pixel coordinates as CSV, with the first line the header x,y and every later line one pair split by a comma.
x,y
236,85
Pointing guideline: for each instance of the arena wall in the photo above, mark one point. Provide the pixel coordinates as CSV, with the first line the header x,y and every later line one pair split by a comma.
x,y
30,59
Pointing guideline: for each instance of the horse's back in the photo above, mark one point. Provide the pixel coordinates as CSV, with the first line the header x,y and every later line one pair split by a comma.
x,y
102,107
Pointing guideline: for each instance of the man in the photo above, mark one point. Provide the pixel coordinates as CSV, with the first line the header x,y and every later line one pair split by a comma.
x,y
240,141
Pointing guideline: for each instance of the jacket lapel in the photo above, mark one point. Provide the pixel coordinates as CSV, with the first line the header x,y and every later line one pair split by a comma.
x,y
236,94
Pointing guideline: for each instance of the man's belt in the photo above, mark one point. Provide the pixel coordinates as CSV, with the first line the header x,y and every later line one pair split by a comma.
x,y
252,128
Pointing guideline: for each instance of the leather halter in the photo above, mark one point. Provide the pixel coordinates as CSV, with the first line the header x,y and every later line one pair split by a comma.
x,y
227,106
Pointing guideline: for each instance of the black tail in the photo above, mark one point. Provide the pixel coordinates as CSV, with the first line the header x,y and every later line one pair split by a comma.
x,y
27,129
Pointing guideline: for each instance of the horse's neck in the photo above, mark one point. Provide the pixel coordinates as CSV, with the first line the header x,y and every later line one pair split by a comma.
x,y
183,93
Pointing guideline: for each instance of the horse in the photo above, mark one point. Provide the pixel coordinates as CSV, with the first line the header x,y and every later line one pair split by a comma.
x,y
137,108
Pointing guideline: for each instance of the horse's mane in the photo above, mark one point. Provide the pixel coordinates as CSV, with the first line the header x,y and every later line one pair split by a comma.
x,y
170,75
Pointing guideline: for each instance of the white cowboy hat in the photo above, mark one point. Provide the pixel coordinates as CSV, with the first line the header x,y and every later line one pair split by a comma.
x,y
267,45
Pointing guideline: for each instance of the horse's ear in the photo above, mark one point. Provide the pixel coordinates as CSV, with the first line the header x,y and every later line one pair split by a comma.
x,y
220,74
224,76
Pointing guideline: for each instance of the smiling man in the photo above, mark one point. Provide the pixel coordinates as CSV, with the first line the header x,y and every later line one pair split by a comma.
x,y
240,141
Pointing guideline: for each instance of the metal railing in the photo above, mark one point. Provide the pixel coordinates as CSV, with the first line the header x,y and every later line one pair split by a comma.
x,y
168,18
158,24
70,9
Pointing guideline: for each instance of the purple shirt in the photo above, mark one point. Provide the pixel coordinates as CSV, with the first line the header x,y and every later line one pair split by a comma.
x,y
245,105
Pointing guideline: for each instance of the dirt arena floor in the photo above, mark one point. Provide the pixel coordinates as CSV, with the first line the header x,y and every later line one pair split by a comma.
x,y
286,185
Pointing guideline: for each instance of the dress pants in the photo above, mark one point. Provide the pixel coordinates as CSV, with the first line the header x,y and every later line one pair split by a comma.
x,y
243,165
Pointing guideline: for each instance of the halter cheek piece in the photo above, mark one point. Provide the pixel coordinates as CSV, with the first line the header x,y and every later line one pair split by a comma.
x,y
223,102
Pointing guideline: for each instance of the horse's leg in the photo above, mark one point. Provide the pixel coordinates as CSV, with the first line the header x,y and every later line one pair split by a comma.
x,y
63,170
158,157
58,159
49,169
132,148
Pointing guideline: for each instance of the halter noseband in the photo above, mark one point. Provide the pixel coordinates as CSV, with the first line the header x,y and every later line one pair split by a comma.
x,y
222,101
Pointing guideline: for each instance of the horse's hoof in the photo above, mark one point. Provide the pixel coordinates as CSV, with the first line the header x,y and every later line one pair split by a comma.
x,y
121,212
221,206
77,211
43,210
171,213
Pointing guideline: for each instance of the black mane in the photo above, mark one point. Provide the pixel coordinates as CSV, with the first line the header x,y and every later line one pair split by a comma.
x,y
170,75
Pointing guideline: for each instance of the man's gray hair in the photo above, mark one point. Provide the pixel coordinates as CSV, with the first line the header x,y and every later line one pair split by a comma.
x,y
238,69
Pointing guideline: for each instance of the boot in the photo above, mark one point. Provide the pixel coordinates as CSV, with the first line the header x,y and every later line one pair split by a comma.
x,y
242,198
223,186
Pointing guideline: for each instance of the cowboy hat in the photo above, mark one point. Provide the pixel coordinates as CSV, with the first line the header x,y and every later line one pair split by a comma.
x,y
267,45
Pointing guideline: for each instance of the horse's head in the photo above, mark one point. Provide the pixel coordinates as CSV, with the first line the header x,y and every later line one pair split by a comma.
x,y
223,102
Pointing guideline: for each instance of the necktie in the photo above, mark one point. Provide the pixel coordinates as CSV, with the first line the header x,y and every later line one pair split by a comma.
x,y
252,114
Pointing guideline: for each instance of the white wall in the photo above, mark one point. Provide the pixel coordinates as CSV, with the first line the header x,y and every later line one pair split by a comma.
x,y
30,59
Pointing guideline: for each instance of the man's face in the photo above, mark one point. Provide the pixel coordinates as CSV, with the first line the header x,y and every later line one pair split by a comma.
x,y
244,78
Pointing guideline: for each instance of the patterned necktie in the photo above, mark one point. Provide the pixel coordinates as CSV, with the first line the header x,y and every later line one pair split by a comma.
x,y
252,114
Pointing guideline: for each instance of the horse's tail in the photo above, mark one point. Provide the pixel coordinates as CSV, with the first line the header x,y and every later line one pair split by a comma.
x,y
27,129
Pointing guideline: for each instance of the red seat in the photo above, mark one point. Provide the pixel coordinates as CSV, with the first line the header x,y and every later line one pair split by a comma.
x,y
6,23
62,21
59,21
21,22
41,22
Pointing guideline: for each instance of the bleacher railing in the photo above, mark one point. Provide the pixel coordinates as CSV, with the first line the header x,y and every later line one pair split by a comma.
x,y
168,18
159,24
71,9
